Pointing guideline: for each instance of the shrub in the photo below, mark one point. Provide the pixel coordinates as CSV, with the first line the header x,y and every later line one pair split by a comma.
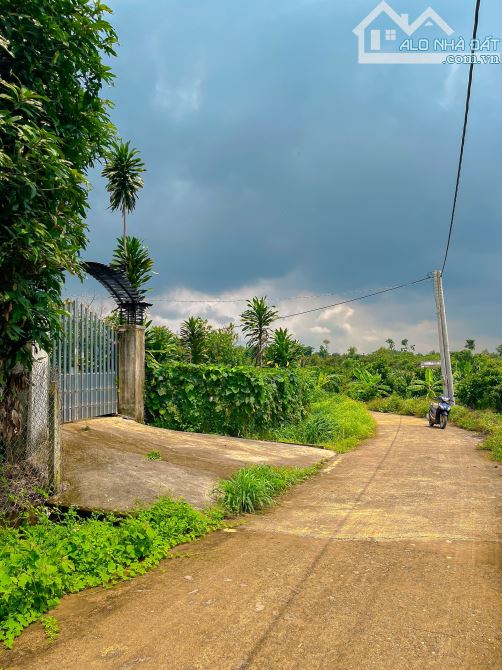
x,y
337,423
224,400
255,487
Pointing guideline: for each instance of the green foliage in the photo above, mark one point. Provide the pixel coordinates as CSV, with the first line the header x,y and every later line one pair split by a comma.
x,y
154,455
367,385
53,125
256,321
470,345
335,422
283,351
253,488
193,336
481,387
224,400
430,387
161,346
221,347
132,257
123,170
481,421
51,628
40,563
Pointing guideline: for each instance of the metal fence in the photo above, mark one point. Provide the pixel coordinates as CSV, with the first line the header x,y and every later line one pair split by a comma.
x,y
84,359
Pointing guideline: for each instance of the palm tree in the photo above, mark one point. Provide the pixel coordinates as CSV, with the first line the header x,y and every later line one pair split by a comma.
x,y
256,322
132,257
193,336
283,350
123,170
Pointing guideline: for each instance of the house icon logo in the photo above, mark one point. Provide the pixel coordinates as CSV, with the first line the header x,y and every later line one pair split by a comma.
x,y
386,37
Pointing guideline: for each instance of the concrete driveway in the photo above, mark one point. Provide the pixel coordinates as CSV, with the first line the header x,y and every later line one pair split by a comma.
x,y
105,465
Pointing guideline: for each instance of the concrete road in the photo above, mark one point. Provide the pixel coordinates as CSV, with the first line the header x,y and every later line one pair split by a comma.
x,y
389,559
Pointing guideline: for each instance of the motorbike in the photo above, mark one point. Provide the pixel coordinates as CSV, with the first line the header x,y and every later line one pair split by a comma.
x,y
439,412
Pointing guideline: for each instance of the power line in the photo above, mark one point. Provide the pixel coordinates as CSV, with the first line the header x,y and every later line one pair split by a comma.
x,y
464,131
362,297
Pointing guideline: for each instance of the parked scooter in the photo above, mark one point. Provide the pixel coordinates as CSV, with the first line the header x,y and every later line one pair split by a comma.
x,y
439,412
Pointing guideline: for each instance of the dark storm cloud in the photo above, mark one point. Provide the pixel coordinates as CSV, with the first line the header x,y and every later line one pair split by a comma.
x,y
271,152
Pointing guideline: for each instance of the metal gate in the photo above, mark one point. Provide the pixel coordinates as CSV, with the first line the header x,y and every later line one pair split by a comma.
x,y
84,359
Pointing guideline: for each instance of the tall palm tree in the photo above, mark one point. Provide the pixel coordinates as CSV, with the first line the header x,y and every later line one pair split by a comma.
x,y
193,336
123,169
256,321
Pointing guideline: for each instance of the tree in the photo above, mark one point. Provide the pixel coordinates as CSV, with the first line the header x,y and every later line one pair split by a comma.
x,y
391,343
404,345
326,343
54,125
431,386
283,351
132,257
161,346
193,336
368,385
499,350
123,169
256,322
470,345
222,346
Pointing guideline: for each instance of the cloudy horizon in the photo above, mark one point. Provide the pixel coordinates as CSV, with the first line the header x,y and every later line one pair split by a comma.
x,y
279,166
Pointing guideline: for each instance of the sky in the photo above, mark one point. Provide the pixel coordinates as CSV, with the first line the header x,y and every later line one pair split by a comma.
x,y
278,165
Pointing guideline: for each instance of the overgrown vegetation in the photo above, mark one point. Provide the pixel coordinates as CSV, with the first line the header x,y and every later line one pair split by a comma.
x,y
255,487
40,562
238,401
54,124
486,422
337,423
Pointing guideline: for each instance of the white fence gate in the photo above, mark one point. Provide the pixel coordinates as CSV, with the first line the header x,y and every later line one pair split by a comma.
x,y
84,360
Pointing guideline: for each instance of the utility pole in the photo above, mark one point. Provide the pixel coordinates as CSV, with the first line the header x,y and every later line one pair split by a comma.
x,y
444,347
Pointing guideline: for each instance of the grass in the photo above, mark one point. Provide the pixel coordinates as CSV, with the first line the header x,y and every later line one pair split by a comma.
x,y
255,487
486,422
154,455
334,422
42,561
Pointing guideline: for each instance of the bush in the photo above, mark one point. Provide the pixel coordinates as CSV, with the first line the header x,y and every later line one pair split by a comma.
x,y
485,422
337,423
40,563
255,487
230,401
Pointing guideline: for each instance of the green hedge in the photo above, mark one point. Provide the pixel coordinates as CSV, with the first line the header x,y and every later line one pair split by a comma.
x,y
230,401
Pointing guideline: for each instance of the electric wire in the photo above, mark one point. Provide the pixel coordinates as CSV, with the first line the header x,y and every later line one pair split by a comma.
x,y
464,132
362,297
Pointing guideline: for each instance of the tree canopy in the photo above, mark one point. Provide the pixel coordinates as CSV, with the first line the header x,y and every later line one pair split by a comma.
x,y
54,124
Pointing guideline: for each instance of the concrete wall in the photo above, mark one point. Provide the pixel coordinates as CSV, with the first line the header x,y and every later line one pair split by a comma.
x,y
132,372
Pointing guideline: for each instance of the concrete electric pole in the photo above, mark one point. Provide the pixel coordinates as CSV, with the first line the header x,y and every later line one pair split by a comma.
x,y
444,347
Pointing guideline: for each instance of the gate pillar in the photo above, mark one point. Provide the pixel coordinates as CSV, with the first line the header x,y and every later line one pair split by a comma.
x,y
131,356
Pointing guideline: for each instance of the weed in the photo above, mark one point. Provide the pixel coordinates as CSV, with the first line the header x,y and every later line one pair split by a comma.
x,y
51,628
253,488
334,422
154,455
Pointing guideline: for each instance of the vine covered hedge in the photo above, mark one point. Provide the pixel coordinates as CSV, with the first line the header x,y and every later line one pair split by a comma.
x,y
230,401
